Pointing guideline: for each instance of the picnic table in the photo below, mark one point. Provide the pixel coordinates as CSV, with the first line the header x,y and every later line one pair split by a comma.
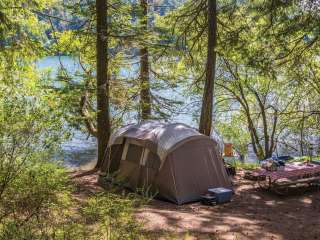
x,y
293,174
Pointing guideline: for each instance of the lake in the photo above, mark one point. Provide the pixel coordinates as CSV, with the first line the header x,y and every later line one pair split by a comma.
x,y
80,150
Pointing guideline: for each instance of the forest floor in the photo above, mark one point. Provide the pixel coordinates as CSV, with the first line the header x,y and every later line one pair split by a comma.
x,y
252,214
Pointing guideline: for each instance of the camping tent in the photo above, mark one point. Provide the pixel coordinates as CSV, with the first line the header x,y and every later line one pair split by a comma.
x,y
174,160
215,135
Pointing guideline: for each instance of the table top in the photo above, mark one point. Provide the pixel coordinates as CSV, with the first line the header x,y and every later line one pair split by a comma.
x,y
291,171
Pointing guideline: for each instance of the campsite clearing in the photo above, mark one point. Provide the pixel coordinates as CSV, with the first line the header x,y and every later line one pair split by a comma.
x,y
253,214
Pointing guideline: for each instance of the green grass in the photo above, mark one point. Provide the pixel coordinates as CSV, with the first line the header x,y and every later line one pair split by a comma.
x,y
304,158
243,165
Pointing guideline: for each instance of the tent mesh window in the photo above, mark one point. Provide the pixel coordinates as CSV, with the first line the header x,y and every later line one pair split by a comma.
x,y
153,161
134,153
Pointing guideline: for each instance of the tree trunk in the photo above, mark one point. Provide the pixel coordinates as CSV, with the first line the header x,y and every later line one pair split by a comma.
x,y
273,139
103,119
267,150
145,98
302,134
207,100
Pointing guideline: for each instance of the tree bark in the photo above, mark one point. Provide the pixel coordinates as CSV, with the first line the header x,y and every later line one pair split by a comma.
x,y
264,123
273,141
302,133
89,122
145,96
103,118
207,100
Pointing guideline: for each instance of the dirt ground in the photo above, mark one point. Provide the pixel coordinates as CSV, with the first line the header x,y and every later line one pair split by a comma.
x,y
252,214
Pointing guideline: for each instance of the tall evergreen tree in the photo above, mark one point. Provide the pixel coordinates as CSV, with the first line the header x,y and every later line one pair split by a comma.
x,y
207,99
145,95
103,119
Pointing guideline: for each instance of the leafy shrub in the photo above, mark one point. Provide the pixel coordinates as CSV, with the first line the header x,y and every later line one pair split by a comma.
x,y
32,200
39,204
36,198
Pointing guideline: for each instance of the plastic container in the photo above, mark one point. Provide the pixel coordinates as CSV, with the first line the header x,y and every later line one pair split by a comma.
x,y
208,199
222,195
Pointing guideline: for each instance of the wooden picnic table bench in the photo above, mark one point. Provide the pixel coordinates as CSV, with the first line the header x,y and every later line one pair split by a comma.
x,y
294,174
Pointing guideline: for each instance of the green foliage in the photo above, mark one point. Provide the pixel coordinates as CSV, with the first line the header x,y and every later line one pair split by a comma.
x,y
231,132
39,204
35,195
267,92
126,36
304,158
244,165
32,201
113,216
267,57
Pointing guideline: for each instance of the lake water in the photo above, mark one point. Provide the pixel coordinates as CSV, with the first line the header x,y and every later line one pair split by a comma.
x,y
80,150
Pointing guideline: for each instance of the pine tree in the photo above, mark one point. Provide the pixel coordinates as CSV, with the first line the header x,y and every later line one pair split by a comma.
x,y
207,99
145,95
103,119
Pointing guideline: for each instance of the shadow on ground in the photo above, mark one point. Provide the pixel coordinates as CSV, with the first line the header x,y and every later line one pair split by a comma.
x,y
253,214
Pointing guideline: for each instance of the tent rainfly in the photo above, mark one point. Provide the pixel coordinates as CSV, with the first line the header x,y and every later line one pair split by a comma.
x,y
173,160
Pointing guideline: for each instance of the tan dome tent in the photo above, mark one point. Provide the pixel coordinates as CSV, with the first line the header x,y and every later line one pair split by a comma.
x,y
174,160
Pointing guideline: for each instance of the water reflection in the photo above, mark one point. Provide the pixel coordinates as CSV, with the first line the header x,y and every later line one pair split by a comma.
x,y
80,151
